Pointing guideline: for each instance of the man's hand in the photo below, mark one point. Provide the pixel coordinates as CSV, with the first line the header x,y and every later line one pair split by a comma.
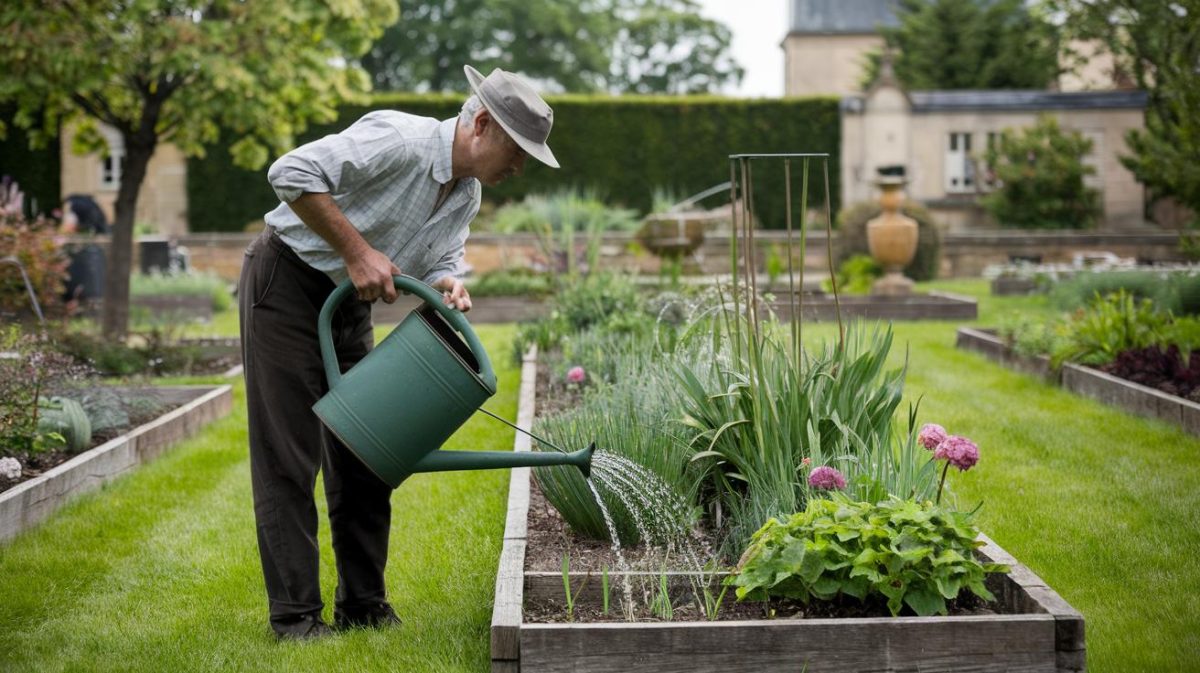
x,y
454,292
371,272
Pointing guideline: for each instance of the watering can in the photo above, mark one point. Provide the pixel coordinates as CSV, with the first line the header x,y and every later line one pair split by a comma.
x,y
407,396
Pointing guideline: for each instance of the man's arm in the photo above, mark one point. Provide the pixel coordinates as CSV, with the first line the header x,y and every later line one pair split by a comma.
x,y
370,270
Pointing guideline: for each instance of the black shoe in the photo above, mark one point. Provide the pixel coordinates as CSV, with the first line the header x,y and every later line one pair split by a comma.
x,y
374,616
301,627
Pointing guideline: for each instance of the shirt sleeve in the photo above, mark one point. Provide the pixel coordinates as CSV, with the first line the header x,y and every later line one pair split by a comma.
x,y
451,264
370,149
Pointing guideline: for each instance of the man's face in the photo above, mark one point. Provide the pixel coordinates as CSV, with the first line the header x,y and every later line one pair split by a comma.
x,y
501,156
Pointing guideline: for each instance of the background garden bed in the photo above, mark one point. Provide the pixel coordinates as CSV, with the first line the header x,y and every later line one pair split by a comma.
x,y
1132,397
191,408
1043,633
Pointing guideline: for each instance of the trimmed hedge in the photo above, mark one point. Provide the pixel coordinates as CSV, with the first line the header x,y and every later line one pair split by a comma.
x,y
38,172
624,146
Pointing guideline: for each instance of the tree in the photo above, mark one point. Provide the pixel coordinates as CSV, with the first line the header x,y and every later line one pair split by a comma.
x,y
178,71
1040,170
1158,43
970,44
591,45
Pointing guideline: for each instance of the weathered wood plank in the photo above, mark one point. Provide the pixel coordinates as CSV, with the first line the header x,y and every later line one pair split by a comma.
x,y
1012,643
506,608
1132,397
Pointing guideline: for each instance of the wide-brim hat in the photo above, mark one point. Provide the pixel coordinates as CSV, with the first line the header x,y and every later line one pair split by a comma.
x,y
518,110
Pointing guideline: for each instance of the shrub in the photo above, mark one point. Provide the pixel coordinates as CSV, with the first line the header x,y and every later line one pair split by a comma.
x,y
1111,324
1040,170
914,554
852,237
33,243
1083,288
855,275
565,222
200,284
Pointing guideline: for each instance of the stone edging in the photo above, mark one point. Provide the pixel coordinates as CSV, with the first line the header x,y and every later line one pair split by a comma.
x,y
31,502
1128,396
1049,635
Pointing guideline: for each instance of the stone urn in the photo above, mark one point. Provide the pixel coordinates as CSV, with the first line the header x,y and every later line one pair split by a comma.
x,y
892,239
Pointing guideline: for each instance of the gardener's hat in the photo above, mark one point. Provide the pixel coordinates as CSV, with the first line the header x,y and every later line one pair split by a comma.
x,y
517,108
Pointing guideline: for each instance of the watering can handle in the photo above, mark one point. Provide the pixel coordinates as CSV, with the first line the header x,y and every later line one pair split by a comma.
x,y
425,293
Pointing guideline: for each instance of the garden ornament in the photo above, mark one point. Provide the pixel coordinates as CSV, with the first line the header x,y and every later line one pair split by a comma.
x,y
408,395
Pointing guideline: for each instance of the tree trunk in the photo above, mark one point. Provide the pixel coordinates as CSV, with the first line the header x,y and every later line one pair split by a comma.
x,y
115,316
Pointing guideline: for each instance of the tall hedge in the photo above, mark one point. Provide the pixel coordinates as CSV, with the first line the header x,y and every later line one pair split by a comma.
x,y
39,172
625,146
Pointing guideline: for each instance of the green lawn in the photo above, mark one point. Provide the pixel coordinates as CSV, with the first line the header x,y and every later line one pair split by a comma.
x,y
160,570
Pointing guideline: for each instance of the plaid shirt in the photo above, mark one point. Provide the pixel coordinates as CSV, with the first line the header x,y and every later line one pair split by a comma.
x,y
384,172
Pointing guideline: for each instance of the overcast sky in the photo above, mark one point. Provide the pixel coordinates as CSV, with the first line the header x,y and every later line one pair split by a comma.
x,y
759,27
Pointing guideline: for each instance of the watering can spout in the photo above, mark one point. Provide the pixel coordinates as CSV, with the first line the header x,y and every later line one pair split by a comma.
x,y
441,461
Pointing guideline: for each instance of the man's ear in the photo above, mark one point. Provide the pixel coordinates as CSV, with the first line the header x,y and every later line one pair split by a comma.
x,y
482,121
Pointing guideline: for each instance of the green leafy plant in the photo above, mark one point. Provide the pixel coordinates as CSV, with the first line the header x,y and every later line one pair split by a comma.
x,y
507,282
1110,325
914,554
1041,174
855,275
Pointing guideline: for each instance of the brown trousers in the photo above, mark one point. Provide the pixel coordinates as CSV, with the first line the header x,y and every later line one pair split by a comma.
x,y
279,299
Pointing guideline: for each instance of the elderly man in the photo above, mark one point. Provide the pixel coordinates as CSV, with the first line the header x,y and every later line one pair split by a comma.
x,y
394,193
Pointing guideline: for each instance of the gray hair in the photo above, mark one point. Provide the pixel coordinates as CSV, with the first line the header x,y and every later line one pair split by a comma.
x,y
469,110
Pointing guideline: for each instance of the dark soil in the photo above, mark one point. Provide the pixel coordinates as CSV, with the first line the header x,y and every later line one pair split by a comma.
x,y
549,539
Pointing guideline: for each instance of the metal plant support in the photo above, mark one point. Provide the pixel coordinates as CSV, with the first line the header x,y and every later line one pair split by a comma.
x,y
741,181
28,286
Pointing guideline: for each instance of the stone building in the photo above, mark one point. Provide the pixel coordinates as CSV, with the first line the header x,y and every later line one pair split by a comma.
x,y
940,136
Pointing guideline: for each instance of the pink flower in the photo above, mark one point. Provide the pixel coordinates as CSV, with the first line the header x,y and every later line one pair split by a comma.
x,y
931,435
958,451
827,479
806,461
576,374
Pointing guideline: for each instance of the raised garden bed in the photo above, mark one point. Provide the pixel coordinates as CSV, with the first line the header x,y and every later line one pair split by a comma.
x,y
1132,397
991,346
1030,628
32,501
484,310
931,306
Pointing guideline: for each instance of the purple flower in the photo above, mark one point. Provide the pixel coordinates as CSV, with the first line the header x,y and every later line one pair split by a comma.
x,y
576,374
958,451
931,435
826,478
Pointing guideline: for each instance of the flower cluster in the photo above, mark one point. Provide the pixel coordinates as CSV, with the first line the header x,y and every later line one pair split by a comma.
x,y
826,478
576,375
10,468
957,451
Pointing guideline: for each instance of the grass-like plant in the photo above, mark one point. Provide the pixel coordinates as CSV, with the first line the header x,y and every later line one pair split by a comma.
x,y
203,284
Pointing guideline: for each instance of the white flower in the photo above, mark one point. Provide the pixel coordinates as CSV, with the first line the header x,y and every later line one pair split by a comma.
x,y
10,468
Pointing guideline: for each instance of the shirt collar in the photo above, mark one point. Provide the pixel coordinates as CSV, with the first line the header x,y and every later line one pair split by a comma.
x,y
442,170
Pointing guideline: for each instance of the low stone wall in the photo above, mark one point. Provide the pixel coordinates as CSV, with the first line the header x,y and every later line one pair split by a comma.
x,y
963,254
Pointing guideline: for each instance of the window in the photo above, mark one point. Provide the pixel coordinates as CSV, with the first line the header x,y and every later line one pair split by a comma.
x,y
960,169
112,165
987,177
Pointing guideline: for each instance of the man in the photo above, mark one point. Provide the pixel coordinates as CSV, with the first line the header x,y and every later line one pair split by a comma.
x,y
394,193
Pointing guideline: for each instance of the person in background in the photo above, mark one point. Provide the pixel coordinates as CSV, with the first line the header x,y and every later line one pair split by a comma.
x,y
394,193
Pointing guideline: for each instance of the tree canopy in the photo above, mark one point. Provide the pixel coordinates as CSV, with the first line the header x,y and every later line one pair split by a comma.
x,y
970,44
178,71
1158,43
619,46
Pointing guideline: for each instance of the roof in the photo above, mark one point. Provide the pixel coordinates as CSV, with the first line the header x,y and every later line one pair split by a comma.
x,y
842,16
1003,100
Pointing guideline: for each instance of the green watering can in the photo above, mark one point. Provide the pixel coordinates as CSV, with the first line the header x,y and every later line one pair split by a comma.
x,y
407,396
